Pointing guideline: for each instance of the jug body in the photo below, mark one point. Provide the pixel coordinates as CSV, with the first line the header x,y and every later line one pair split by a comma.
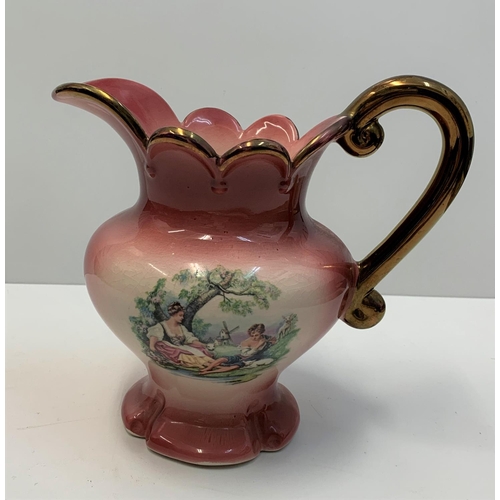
x,y
215,318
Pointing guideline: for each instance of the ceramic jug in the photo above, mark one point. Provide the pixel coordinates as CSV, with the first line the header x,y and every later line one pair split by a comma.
x,y
217,278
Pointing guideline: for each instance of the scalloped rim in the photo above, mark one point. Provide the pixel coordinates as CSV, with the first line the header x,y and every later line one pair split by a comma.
x,y
293,152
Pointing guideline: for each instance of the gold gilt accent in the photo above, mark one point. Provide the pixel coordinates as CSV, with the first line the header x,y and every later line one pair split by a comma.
x,y
253,147
172,135
191,140
332,133
182,137
366,135
104,100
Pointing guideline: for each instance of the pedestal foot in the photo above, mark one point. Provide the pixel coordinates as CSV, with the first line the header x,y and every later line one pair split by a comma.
x,y
209,439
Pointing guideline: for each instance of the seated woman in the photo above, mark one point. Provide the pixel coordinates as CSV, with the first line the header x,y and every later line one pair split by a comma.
x,y
251,350
176,343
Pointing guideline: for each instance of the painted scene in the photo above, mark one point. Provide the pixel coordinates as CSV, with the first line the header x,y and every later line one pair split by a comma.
x,y
215,324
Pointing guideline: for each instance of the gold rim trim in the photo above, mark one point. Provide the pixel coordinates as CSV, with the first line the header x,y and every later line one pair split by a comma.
x,y
182,137
366,135
253,147
104,100
191,140
330,134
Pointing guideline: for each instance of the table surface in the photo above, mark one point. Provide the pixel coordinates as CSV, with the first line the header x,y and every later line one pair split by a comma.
x,y
402,411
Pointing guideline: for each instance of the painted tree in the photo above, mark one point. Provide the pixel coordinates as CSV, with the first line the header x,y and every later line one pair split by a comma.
x,y
202,286
153,302
153,309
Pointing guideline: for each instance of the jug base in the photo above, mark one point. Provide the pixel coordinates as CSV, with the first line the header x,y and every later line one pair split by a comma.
x,y
221,439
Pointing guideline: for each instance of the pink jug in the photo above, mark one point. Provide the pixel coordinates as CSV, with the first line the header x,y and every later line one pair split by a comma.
x,y
218,279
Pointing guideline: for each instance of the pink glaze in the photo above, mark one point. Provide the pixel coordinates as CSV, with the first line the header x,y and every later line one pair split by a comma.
x,y
207,213
206,439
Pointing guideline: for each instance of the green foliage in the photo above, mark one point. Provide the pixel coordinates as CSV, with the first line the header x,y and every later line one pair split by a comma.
x,y
160,286
183,276
140,328
200,328
141,303
146,308
239,307
279,349
228,284
146,314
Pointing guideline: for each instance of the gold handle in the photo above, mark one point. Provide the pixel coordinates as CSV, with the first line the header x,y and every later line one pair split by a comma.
x,y
365,136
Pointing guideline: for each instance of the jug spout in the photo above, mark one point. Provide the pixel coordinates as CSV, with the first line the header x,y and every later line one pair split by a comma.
x,y
132,109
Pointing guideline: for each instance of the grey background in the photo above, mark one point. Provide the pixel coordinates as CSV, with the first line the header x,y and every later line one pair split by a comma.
x,y
67,172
